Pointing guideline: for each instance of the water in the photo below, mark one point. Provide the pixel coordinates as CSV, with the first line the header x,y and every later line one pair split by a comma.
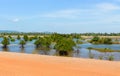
x,y
83,51
113,46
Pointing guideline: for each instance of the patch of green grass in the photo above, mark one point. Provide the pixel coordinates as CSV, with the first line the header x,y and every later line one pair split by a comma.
x,y
104,50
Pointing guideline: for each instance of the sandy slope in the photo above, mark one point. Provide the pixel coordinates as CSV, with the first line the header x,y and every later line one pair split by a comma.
x,y
16,64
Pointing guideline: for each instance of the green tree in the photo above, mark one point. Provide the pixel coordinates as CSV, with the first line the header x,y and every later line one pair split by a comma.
x,y
18,37
25,37
38,42
5,42
107,41
22,43
64,46
47,42
95,39
12,39
10,36
43,43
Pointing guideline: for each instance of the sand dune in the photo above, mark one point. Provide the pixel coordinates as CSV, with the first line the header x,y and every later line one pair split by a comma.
x,y
16,64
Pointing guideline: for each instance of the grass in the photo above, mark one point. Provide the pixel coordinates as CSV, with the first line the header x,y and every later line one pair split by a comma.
x,y
104,49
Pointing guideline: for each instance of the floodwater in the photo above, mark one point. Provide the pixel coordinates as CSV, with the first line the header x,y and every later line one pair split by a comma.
x,y
83,52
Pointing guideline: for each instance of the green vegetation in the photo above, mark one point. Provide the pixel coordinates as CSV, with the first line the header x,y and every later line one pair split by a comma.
x,y
103,49
25,37
12,40
111,58
22,43
18,37
78,41
64,45
9,36
43,43
5,42
89,48
98,40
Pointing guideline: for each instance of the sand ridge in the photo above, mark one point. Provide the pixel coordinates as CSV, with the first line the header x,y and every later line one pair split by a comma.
x,y
19,64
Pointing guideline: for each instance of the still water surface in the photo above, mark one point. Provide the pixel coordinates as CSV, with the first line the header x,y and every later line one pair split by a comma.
x,y
83,51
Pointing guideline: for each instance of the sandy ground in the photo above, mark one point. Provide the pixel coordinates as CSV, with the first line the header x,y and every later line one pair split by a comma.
x,y
16,64
113,37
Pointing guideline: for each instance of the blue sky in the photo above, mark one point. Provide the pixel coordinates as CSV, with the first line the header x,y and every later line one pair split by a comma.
x,y
63,16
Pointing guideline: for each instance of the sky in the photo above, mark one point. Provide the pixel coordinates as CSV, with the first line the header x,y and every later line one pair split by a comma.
x,y
62,16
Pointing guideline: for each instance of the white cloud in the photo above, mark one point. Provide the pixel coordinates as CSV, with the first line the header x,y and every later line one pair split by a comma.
x,y
107,6
16,20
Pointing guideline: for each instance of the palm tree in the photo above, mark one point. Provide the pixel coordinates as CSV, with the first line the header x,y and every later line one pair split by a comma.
x,y
5,42
22,43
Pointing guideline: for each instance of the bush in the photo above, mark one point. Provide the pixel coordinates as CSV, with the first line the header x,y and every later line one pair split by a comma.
x,y
111,58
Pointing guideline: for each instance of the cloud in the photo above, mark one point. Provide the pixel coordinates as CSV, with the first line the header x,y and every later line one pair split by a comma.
x,y
16,20
73,13
108,7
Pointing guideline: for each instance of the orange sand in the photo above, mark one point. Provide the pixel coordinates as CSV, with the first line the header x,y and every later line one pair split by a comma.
x,y
16,64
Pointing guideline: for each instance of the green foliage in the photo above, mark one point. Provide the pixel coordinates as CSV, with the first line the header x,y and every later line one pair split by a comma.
x,y
38,42
65,45
35,37
31,38
12,39
104,49
5,42
43,43
22,43
10,36
56,37
79,41
18,37
111,58
107,41
89,48
47,42
97,40
25,37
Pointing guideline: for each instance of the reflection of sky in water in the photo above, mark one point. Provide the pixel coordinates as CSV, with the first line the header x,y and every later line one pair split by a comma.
x,y
113,46
85,53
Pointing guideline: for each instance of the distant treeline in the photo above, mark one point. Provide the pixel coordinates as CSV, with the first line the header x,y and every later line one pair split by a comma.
x,y
49,33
